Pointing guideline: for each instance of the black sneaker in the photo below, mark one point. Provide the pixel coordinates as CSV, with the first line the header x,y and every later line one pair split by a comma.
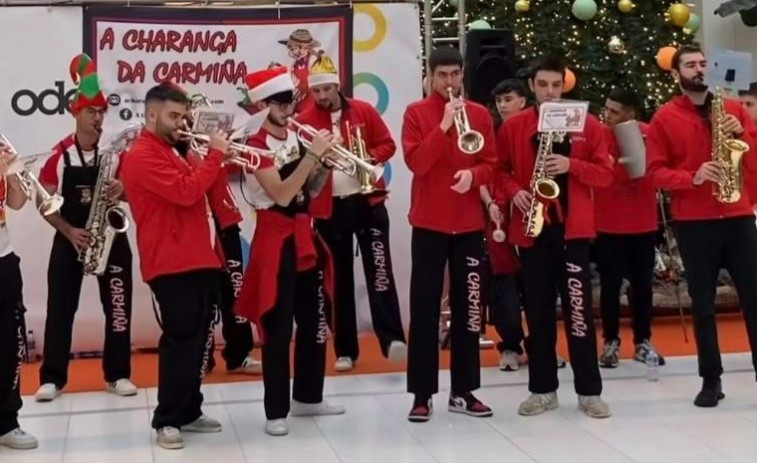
x,y
711,393
422,410
468,404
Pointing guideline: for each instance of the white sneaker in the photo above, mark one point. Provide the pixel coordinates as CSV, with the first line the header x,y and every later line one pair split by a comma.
x,y
250,366
47,392
344,364
594,406
536,404
397,351
319,409
277,427
18,439
508,361
123,387
170,438
203,424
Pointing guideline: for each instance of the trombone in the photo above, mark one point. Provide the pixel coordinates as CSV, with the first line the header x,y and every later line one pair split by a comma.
x,y
469,141
255,153
49,204
345,161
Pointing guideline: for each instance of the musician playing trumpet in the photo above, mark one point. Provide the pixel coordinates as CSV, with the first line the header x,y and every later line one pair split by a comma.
x,y
354,205
448,223
72,171
558,256
12,336
289,277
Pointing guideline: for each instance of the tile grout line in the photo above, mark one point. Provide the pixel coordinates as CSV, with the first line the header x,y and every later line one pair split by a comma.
x,y
328,441
408,430
514,444
236,433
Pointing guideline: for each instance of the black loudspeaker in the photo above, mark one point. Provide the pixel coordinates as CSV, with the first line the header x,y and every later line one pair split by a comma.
x,y
489,59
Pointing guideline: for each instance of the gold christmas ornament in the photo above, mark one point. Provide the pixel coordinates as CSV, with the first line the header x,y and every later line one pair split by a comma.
x,y
626,6
679,14
616,45
522,6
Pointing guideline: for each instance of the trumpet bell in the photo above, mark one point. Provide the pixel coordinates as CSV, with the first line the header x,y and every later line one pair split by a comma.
x,y
50,205
547,189
470,142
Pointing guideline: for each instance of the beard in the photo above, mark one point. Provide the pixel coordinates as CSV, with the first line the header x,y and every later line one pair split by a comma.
x,y
695,84
275,121
325,104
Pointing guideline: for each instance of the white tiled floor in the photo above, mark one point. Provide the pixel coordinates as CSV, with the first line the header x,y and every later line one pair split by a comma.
x,y
652,422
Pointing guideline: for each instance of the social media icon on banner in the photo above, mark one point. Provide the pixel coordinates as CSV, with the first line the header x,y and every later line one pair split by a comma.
x,y
126,114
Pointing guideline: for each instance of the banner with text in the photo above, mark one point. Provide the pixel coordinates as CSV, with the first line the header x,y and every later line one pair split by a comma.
x,y
210,51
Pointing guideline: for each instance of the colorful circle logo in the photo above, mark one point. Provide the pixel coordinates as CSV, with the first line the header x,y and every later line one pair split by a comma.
x,y
379,24
374,81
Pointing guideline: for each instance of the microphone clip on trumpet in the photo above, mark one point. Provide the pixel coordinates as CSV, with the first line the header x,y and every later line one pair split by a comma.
x,y
49,204
469,141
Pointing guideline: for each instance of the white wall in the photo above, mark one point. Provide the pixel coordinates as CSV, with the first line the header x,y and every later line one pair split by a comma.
x,y
727,33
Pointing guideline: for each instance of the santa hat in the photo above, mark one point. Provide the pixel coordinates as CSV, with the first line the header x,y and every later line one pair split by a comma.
x,y
268,82
84,74
323,72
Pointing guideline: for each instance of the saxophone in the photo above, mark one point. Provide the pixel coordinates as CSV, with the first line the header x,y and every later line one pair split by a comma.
x,y
727,152
541,185
105,219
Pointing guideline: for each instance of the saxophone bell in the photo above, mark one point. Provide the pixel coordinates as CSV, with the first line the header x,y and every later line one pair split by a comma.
x,y
547,188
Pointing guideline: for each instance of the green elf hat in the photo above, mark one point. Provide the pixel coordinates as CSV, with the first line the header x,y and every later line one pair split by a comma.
x,y
84,74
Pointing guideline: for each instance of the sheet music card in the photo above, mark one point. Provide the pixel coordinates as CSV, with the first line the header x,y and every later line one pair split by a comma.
x,y
209,120
563,116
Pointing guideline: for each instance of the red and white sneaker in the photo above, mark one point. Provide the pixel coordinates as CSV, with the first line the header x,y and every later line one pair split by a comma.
x,y
422,410
468,404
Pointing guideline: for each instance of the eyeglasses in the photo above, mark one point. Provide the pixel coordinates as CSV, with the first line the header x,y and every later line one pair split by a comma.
x,y
281,105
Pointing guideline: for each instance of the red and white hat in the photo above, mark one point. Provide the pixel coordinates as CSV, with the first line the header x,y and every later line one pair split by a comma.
x,y
269,82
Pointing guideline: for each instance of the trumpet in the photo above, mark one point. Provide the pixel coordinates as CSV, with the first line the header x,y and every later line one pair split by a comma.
x,y
469,141
29,183
240,148
345,161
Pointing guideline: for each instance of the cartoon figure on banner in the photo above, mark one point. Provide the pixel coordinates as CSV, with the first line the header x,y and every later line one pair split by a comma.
x,y
304,50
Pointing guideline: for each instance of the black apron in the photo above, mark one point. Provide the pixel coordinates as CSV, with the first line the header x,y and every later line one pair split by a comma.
x,y
78,187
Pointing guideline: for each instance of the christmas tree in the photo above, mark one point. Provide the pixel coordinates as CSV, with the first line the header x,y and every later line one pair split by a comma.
x,y
605,43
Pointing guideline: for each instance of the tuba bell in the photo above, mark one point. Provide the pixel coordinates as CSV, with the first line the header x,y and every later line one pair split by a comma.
x,y
469,141
48,204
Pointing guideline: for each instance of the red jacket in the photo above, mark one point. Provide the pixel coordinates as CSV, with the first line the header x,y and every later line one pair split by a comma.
x,y
167,199
590,166
678,143
378,143
433,157
628,206
221,199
